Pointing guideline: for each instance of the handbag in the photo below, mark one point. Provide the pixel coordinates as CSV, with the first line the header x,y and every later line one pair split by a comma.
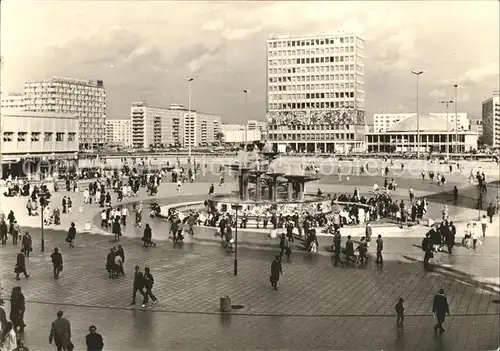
x,y
61,268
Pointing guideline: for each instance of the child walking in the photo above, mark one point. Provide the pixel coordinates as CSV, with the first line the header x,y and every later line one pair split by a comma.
x,y
400,311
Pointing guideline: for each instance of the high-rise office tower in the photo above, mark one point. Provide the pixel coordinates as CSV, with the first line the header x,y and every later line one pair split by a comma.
x,y
315,93
85,98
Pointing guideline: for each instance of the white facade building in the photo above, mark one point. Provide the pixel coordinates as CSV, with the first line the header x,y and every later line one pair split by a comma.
x,y
385,121
491,120
434,137
119,132
476,126
238,133
35,141
156,126
85,98
13,101
253,124
315,92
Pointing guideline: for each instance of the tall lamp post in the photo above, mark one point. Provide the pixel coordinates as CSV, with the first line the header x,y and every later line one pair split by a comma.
x,y
418,73
42,207
246,91
189,80
456,117
448,139
236,207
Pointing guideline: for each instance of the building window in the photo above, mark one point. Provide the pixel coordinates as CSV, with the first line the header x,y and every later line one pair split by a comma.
x,y
47,137
35,137
7,136
21,137
71,136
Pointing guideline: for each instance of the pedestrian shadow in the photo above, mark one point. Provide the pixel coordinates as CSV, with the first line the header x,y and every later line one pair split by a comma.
x,y
458,275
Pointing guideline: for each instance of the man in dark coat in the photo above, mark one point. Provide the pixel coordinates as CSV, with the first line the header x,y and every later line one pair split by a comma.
x,y
276,271
21,265
337,239
60,333
440,309
57,262
450,237
138,284
94,340
427,249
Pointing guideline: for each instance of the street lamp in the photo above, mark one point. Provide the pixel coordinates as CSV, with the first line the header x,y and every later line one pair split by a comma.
x,y
236,207
418,73
456,117
246,91
448,139
42,206
189,80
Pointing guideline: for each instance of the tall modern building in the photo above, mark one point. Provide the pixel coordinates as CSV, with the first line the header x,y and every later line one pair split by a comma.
x,y
13,101
476,126
385,121
119,132
491,120
175,125
85,98
315,93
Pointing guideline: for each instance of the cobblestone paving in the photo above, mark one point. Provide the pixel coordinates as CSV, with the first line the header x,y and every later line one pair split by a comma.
x,y
125,330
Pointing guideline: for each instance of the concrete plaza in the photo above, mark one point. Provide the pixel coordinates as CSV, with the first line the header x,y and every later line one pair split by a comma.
x,y
318,306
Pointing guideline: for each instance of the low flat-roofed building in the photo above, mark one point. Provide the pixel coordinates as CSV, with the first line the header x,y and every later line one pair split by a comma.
x,y
34,141
434,136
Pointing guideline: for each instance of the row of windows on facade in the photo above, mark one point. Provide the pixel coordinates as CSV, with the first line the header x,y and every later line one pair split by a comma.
x,y
313,105
314,51
337,95
99,94
312,136
317,86
76,85
315,127
329,86
425,138
290,73
310,42
35,136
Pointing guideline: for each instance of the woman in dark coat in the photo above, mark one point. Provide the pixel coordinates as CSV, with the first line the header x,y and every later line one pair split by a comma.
x,y
71,235
110,262
117,230
21,265
148,236
276,271
17,309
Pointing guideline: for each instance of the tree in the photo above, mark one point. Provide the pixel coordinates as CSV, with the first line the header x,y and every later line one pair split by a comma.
x,y
220,137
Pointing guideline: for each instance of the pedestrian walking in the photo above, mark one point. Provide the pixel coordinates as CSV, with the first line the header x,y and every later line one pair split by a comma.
x,y
380,248
60,333
70,239
285,247
27,244
57,262
94,340
3,315
17,309
337,249
120,252
8,339
70,205
440,309
427,248
64,203
116,229
110,262
484,225
400,310
276,271
138,284
21,265
148,284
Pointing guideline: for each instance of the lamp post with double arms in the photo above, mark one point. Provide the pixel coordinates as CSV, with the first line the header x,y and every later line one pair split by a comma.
x,y
418,73
448,139
236,208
